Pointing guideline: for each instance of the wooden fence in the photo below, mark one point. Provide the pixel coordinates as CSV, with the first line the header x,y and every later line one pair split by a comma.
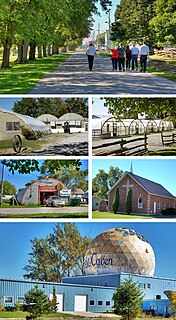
x,y
168,139
120,147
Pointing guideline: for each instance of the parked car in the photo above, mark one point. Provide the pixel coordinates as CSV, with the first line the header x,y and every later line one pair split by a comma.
x,y
55,201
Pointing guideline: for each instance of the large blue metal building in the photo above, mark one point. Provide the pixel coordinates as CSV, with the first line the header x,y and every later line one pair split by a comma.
x,y
91,293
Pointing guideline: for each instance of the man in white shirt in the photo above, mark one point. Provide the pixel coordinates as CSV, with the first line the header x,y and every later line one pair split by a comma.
x,y
144,54
134,53
91,52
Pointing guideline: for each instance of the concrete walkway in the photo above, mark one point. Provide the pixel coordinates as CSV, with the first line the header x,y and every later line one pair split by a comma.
x,y
73,77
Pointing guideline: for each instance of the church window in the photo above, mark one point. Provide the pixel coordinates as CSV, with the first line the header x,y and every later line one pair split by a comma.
x,y
158,204
140,203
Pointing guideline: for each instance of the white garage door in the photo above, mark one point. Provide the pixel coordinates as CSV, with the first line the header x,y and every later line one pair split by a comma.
x,y
80,303
60,301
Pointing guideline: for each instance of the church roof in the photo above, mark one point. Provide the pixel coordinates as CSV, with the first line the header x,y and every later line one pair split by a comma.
x,y
150,186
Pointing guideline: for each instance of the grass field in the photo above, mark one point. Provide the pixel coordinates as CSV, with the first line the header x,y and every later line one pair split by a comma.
x,y
20,78
22,315
110,215
66,215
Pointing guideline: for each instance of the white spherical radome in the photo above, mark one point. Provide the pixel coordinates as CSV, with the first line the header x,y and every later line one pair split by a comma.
x,y
120,250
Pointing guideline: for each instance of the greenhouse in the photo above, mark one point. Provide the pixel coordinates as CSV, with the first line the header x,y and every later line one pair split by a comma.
x,y
109,127
68,123
12,123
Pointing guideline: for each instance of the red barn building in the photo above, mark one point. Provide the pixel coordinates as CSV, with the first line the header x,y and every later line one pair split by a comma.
x,y
148,197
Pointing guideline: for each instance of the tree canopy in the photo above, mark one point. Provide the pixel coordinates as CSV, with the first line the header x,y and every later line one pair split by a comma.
x,y
8,188
153,108
34,107
152,20
60,254
103,181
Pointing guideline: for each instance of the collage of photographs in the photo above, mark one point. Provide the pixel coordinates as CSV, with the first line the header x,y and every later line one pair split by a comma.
x,y
87,159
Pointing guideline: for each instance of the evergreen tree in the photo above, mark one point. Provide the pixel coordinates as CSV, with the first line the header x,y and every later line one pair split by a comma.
x,y
115,204
54,300
129,201
37,302
127,299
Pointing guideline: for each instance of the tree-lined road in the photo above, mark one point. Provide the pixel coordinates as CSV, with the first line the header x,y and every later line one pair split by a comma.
x,y
73,77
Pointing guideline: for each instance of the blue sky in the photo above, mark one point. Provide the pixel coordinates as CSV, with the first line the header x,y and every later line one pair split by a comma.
x,y
98,107
103,17
15,243
7,103
19,180
162,171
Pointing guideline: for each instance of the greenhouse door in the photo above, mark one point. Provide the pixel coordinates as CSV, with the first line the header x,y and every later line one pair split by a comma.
x,y
60,301
80,303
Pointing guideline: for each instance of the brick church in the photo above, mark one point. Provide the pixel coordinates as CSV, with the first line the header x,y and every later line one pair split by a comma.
x,y
148,197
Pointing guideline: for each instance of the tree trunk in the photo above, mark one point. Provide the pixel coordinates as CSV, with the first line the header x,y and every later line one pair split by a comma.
x,y
6,54
55,50
49,50
22,52
44,51
39,52
32,51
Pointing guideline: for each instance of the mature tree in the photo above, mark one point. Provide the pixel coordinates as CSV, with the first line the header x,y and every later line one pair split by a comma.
x,y
28,166
103,181
35,107
115,204
127,299
132,21
129,201
8,188
152,108
59,254
37,302
70,176
172,298
164,23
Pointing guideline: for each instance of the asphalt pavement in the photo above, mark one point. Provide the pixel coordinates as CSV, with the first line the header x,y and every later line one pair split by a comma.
x,y
73,77
70,210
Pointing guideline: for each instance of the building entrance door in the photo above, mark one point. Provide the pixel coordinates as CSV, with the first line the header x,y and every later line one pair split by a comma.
x,y
80,303
154,207
60,301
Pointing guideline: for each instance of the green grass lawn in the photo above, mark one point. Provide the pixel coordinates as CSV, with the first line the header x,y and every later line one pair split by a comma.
x,y
22,315
20,78
81,215
110,215
170,152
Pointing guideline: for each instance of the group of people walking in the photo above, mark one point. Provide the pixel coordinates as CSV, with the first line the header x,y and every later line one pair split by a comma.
x,y
122,56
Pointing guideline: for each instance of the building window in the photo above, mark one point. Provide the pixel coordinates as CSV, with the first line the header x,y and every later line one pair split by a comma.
x,y
20,300
148,286
106,284
92,302
100,303
164,205
140,203
142,285
158,204
8,300
12,126
108,303
158,297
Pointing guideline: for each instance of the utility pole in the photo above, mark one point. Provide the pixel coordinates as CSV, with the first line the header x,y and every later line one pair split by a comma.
x,y
107,34
2,185
98,36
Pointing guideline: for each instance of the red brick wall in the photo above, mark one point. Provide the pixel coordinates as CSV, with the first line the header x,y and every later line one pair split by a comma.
x,y
138,191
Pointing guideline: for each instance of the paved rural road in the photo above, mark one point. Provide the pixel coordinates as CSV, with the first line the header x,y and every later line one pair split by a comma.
x,y
9,211
73,77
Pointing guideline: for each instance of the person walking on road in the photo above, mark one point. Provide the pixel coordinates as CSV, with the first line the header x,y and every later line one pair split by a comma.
x,y
128,57
91,52
121,57
144,54
135,53
114,58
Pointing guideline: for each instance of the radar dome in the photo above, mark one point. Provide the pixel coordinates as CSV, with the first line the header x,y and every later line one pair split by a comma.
x,y
120,250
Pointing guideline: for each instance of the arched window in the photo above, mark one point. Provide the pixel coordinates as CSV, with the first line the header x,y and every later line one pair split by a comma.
x,y
140,203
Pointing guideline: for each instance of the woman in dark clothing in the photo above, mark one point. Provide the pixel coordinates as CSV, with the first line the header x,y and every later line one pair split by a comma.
x,y
128,56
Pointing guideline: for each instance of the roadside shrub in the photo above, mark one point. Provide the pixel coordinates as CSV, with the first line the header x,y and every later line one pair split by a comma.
x,y
29,134
169,212
74,202
9,308
1,307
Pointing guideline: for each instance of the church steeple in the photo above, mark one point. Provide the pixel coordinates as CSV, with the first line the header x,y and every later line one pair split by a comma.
x,y
131,168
